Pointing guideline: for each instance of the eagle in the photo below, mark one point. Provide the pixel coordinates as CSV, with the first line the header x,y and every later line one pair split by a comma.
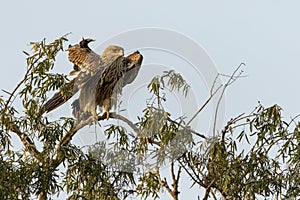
x,y
98,81
100,78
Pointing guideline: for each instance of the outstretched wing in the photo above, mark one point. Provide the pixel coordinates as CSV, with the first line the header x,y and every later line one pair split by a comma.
x,y
60,97
89,63
78,53
133,65
92,65
122,72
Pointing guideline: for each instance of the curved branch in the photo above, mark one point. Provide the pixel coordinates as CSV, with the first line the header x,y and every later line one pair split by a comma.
x,y
162,182
27,142
124,119
229,123
68,136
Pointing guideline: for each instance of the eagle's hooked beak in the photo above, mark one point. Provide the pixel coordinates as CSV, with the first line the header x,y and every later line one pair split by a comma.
x,y
90,40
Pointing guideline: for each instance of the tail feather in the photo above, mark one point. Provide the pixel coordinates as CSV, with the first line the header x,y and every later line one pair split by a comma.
x,y
60,97
76,108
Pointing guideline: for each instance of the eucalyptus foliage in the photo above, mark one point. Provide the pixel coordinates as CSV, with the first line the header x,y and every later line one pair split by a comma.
x,y
255,155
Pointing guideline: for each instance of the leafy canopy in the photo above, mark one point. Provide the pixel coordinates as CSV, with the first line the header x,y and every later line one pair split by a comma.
x,y
255,155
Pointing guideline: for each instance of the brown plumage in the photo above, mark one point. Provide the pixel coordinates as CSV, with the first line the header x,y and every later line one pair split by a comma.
x,y
133,63
118,72
97,89
98,80
61,97
78,54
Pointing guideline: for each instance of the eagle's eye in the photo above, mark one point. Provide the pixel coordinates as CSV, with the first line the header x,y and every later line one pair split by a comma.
x,y
117,50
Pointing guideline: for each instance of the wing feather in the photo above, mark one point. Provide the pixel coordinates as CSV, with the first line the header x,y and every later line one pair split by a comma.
x,y
133,62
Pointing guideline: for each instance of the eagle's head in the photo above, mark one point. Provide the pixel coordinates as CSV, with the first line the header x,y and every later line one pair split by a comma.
x,y
112,52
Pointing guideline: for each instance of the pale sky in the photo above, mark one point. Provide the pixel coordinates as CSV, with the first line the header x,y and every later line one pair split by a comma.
x,y
263,34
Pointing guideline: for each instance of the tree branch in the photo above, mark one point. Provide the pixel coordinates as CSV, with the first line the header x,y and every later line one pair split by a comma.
x,y
204,105
232,79
20,83
192,174
229,123
175,181
192,131
124,119
27,142
68,136
208,189
163,183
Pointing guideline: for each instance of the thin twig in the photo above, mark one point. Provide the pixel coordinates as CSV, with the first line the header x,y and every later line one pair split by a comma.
x,y
230,81
213,194
214,83
208,189
228,76
192,131
20,83
203,106
194,175
292,120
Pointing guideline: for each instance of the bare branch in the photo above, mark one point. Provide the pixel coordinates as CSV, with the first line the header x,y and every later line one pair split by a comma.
x,y
175,180
192,174
20,83
163,183
213,194
124,119
192,131
27,142
204,105
208,189
232,78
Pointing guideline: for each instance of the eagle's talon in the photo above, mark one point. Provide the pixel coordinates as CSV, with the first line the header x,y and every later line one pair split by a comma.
x,y
107,115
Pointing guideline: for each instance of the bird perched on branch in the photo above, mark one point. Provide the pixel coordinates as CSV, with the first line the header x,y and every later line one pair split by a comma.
x,y
99,82
99,79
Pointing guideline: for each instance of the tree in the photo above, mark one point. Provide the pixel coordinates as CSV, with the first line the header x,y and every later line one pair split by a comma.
x,y
255,155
